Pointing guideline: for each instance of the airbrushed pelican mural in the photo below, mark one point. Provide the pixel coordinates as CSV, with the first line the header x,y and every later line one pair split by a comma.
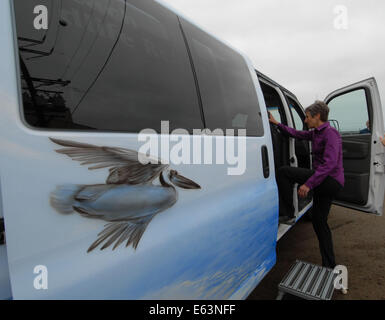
x,y
129,199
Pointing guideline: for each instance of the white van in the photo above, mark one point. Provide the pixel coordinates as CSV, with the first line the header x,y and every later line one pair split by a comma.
x,y
74,97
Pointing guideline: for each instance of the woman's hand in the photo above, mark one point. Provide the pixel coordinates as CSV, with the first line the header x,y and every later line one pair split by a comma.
x,y
272,119
382,139
303,191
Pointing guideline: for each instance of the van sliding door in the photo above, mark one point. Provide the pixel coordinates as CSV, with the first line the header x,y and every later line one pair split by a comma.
x,y
302,147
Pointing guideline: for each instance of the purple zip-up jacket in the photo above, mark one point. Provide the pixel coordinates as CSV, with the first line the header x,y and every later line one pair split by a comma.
x,y
327,151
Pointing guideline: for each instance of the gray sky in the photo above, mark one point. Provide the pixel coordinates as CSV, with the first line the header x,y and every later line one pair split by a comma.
x,y
300,43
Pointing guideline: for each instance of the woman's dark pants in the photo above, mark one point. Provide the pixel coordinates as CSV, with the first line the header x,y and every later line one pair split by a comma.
x,y
323,196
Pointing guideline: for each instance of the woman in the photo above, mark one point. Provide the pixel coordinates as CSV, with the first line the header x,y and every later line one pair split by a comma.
x,y
326,180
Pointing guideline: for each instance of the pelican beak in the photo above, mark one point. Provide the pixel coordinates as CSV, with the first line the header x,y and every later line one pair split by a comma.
x,y
182,181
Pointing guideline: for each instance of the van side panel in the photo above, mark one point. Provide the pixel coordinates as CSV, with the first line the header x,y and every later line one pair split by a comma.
x,y
5,284
216,242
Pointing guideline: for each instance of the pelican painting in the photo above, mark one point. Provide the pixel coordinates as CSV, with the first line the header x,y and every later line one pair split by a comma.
x,y
129,199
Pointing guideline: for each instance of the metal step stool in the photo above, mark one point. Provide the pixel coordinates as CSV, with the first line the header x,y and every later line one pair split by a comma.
x,y
308,281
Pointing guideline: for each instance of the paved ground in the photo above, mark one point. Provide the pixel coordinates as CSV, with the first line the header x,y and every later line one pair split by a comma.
x,y
359,244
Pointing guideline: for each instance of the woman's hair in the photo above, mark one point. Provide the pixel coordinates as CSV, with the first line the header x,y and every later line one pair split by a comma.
x,y
319,107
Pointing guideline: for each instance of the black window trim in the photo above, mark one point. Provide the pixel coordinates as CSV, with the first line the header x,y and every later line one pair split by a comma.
x,y
197,88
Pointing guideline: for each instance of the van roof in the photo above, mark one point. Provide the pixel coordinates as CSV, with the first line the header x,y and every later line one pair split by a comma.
x,y
268,79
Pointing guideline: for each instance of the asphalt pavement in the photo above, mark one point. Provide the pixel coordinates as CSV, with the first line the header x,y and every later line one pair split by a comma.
x,y
359,244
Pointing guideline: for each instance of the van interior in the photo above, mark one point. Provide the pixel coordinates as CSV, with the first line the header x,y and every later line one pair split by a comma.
x,y
281,141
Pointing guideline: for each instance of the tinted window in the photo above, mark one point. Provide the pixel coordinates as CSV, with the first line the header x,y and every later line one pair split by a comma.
x,y
296,114
273,102
105,65
228,93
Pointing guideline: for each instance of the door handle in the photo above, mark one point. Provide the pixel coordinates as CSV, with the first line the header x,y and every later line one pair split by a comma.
x,y
2,232
265,162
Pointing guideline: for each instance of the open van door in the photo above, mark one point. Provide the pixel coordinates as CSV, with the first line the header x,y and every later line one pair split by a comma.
x,y
356,112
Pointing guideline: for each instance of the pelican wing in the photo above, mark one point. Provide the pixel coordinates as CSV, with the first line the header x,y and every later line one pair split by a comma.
x,y
118,232
123,164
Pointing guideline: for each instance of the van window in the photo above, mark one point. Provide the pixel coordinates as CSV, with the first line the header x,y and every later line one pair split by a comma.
x,y
298,120
273,102
227,89
107,65
351,110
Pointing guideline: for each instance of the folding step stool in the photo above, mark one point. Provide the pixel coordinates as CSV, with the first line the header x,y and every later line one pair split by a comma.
x,y
308,281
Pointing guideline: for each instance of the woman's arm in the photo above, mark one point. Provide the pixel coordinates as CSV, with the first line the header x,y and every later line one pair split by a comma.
x,y
303,135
